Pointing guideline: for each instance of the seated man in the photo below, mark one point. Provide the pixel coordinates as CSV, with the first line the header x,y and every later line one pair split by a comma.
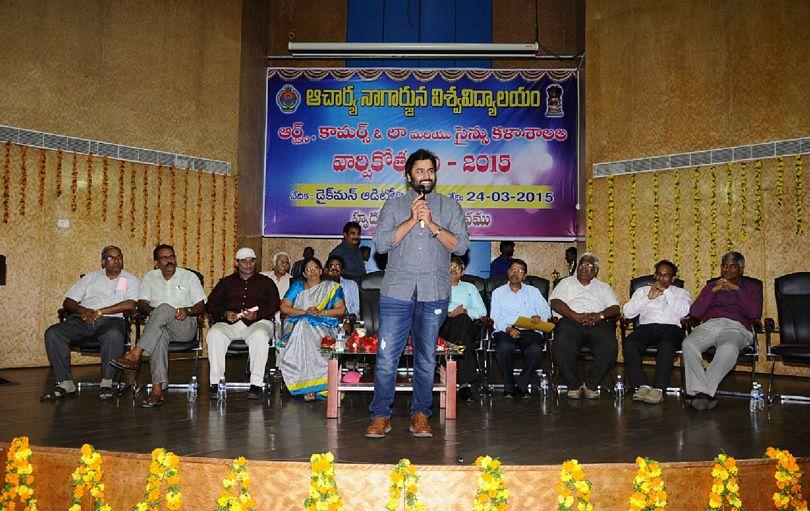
x,y
281,278
172,297
351,293
96,304
509,302
588,307
242,306
660,308
728,308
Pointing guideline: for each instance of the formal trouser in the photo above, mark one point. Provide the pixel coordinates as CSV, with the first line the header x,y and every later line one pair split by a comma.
x,y
257,336
530,344
161,329
666,338
110,332
729,336
461,330
397,318
569,336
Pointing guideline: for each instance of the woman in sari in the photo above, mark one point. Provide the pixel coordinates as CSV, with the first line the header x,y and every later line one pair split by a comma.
x,y
312,308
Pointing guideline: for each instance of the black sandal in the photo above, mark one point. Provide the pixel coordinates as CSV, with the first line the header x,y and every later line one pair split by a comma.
x,y
56,394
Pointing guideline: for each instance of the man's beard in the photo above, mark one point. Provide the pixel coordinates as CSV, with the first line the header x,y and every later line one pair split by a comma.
x,y
418,186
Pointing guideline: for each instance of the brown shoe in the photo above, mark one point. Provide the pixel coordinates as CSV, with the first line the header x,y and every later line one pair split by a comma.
x,y
420,427
378,428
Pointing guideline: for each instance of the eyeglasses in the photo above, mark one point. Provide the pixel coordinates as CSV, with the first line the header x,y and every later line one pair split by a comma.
x,y
312,269
588,265
455,269
165,257
517,270
114,258
334,267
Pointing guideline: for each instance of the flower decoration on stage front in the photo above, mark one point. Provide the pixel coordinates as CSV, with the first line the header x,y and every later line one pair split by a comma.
x,y
404,479
19,476
631,226
729,206
758,196
649,493
611,228
713,234
787,475
574,489
323,492
589,213
88,199
780,181
88,479
165,466
59,156
799,194
237,476
6,182
676,217
655,215
743,201
725,492
23,180
42,175
696,221
121,179
74,182
158,205
492,494
105,185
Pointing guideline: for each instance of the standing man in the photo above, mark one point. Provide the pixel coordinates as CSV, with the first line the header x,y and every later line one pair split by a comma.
x,y
243,306
298,267
349,251
418,230
172,297
500,264
571,260
728,307
660,308
96,304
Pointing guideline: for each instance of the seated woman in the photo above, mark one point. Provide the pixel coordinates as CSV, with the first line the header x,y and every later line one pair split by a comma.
x,y
464,307
312,308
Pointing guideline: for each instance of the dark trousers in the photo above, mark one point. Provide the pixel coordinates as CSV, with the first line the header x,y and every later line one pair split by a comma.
x,y
531,345
569,336
667,338
462,330
110,333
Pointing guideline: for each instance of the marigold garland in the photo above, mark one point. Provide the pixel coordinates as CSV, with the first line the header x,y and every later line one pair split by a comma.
x,y
611,228
19,476
184,223
42,176
713,234
59,156
799,194
74,182
676,218
88,479
237,475
199,218
631,226
589,213
224,221
655,215
158,205
725,492
696,221
574,489
105,185
172,202
404,478
787,475
235,212
780,181
164,467
743,201
492,494
121,179
213,239
23,180
729,207
323,493
6,182
649,492
145,218
88,199
133,192
758,196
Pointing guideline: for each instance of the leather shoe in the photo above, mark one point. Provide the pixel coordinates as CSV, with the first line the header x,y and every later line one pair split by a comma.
x,y
420,427
255,392
378,428
124,363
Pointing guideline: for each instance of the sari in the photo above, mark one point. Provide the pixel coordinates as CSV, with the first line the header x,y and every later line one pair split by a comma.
x,y
303,366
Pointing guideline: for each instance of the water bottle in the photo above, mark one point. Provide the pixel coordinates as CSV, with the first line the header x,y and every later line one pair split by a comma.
x,y
753,404
222,390
543,384
191,393
618,388
761,401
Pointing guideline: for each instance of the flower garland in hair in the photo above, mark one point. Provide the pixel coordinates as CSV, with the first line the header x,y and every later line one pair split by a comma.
x,y
145,204
42,175
88,199
164,467
323,493
88,477
404,478
574,489
74,182
492,494
631,226
23,180
649,492
780,181
133,191
184,223
238,475
59,156
121,178
655,215
787,475
743,201
224,221
158,205
172,202
235,212
611,229
19,476
725,492
212,241
713,234
758,196
799,194
105,185
676,217
729,208
199,217
589,213
696,222
6,182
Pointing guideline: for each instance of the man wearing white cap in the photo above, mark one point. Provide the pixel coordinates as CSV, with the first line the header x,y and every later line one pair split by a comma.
x,y
243,305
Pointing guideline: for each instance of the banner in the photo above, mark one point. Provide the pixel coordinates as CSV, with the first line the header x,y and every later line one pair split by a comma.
x,y
337,141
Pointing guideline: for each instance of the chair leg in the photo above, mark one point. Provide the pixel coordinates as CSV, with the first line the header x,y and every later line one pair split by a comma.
x,y
770,383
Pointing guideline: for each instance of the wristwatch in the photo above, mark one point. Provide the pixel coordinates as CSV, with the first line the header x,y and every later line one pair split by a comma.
x,y
438,231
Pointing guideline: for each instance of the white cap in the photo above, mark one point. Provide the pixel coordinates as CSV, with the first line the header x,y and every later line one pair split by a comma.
x,y
244,253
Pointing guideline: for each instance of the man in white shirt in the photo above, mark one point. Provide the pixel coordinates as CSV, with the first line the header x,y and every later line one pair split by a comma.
x,y
660,308
96,304
172,297
509,302
588,308
281,277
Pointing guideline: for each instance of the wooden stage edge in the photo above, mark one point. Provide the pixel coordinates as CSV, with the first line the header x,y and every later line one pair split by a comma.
x,y
278,485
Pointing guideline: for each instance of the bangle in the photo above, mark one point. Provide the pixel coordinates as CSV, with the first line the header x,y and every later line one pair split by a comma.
x,y
438,231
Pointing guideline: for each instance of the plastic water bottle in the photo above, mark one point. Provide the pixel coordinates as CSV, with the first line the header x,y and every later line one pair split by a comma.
x,y
761,400
618,388
543,383
191,393
756,396
222,390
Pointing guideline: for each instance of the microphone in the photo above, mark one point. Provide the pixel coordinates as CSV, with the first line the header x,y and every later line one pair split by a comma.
x,y
421,190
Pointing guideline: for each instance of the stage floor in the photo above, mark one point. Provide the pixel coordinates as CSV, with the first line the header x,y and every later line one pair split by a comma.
x,y
521,432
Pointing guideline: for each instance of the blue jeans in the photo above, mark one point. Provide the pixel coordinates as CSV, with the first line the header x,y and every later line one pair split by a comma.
x,y
397,318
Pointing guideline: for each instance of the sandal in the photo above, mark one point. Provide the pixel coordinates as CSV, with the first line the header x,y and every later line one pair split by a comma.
x,y
106,393
124,363
310,397
152,401
56,394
